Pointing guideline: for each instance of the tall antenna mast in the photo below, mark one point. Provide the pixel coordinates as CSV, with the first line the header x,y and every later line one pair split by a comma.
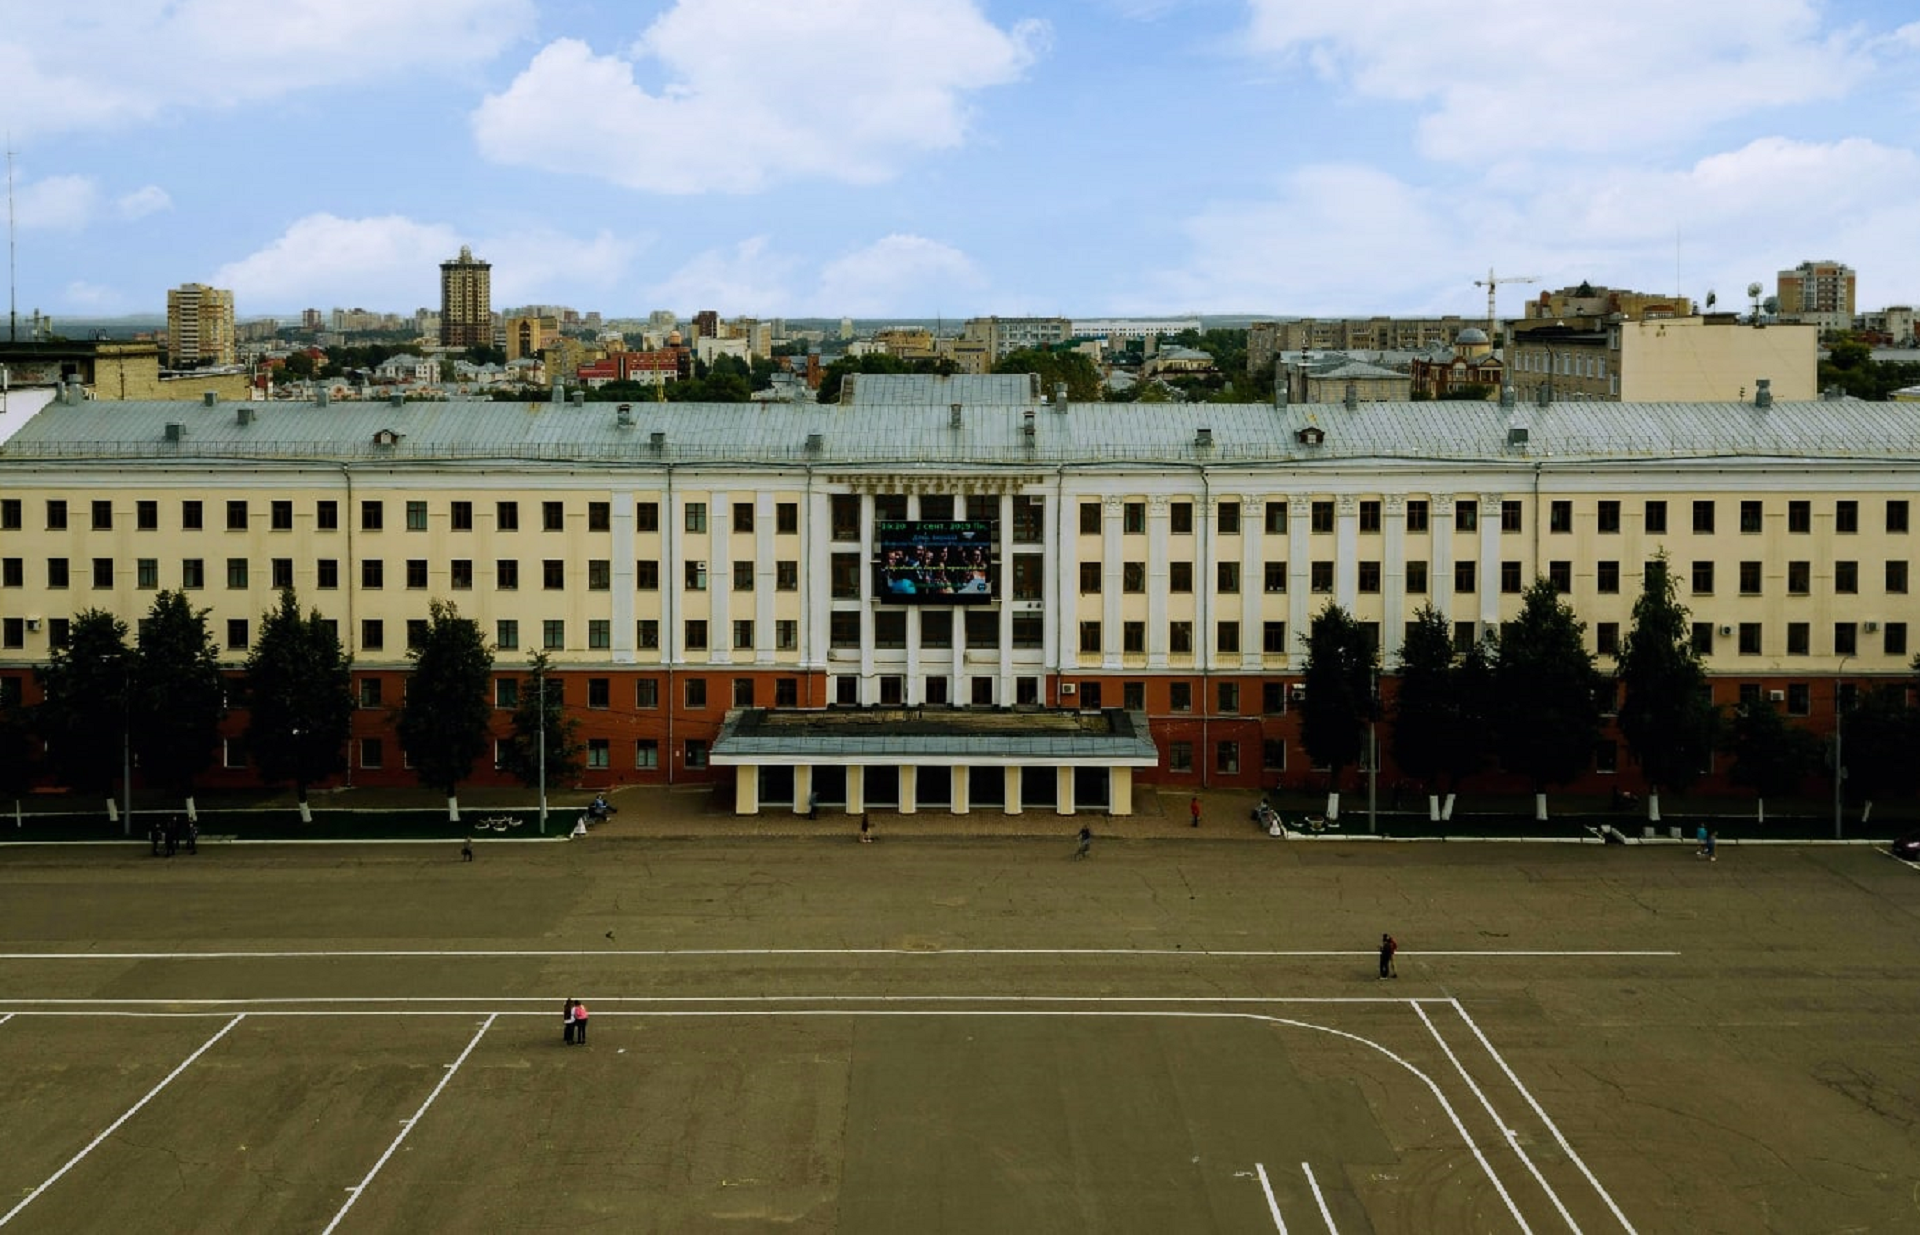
x,y
13,315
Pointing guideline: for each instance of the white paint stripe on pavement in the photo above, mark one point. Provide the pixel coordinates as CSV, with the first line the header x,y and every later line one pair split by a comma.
x,y
1326,1215
444,954
1273,1206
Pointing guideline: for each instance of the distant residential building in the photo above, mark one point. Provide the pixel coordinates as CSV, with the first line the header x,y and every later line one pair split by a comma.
x,y
647,368
1674,360
311,319
529,336
662,320
1002,335
1179,362
199,325
1330,377
706,348
1586,300
1470,363
706,324
466,301
1819,294
1267,340
1890,327
906,342
1108,329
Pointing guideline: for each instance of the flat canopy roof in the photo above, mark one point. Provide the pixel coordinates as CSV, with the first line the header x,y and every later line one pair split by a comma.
x,y
1110,738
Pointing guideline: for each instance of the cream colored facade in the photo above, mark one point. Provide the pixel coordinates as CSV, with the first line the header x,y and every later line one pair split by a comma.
x,y
1664,360
199,325
529,336
466,301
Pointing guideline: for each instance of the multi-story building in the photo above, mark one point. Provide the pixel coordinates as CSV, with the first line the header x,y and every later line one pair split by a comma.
x,y
1662,360
1266,340
1586,300
466,301
678,562
199,326
1001,335
906,342
1818,294
1108,329
529,336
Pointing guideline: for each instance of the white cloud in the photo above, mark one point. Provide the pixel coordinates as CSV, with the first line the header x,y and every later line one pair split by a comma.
x,y
56,203
84,67
92,297
896,274
1522,76
392,260
757,91
748,278
143,201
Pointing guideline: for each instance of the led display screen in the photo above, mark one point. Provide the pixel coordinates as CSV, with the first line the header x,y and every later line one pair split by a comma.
x,y
946,561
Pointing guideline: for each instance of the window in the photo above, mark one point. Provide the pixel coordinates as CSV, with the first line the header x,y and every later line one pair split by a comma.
x,y
553,574
1133,638
370,692
1703,517
1799,578
646,516
1846,517
843,629
1090,638
460,574
1029,518
1227,578
598,753
1560,517
146,573
193,574
1180,696
743,632
1750,638
1463,576
1026,630
695,639
506,692
102,511
1894,639
1703,638
1846,578
1510,519
1133,518
1273,754
461,517
237,573
1274,576
599,516
1799,638
416,572
743,576
1897,515
1606,757
237,516
1276,518
1560,574
696,518
103,572
1226,638
843,576
506,635
695,576
15,633
506,516
10,515
282,568
553,634
372,515
1133,576
1369,577
1089,518
372,574
416,632
1606,638
646,634
1466,515
1749,578
1417,516
326,515
553,517
599,634
416,516
191,516
1089,578
743,516
1180,638
1799,699
1029,576
373,634
983,629
1226,757
599,693
696,692
56,572
1320,577
786,518
646,693
1320,517
1180,577
1656,517
1750,520
237,634
1416,578
890,629
893,506
936,628
1608,519
1800,517
1227,518
696,753
646,752
506,574
786,576
1510,578
1846,639
1897,578
372,753
1703,578
1607,578
1273,638
1370,516
1179,756
59,631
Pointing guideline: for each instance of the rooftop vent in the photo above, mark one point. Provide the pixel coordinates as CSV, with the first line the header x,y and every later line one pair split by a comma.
x,y
245,416
175,430
396,400
657,440
1203,439
1353,395
625,416
1833,394
578,398
322,396
816,442
1544,395
1506,395
1026,422
1763,392
1059,396
1517,435
954,419
209,397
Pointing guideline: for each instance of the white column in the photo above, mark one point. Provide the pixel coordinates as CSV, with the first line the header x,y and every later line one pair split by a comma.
x,y
1006,608
746,790
1393,579
1252,581
1490,560
912,693
1440,526
1053,545
1346,552
1063,791
765,577
1299,570
1063,578
802,787
673,539
1120,791
1013,789
909,788
1159,525
957,776
816,583
1206,589
620,613
856,789
719,578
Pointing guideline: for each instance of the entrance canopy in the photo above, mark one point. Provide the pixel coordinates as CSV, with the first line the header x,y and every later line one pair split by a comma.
x,y
932,737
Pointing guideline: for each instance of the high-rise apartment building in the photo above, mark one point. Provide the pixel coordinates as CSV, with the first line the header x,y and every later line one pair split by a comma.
x,y
1818,294
466,301
199,325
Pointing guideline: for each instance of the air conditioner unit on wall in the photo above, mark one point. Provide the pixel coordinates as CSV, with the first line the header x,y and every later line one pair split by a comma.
x,y
1776,696
1726,630
1872,626
1068,690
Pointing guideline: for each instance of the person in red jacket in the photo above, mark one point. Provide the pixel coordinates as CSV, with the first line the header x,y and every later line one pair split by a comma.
x,y
580,1023
1387,948
1194,808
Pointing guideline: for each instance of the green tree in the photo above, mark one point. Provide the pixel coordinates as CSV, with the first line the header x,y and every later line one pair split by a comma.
x,y
179,694
1877,747
299,699
485,354
84,693
1770,756
1668,718
1546,694
298,365
1439,730
444,722
17,762
1075,369
1338,677
520,754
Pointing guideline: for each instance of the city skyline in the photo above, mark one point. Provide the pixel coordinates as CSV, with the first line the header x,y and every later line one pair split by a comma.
x,y
1114,157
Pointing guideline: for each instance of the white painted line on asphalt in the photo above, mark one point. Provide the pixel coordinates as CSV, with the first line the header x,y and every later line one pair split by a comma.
x,y
114,1126
1544,1118
487,1000
1326,1215
6,1018
354,1193
1507,1134
1273,1206
1490,954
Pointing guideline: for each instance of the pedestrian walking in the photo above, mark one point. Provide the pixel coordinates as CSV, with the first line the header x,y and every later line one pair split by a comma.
x,y
1086,843
866,830
1700,835
1193,808
567,1021
154,837
580,1023
193,836
466,850
173,838
1713,844
1388,947
813,805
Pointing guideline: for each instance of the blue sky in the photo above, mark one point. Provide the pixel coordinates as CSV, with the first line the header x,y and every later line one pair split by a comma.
x,y
956,157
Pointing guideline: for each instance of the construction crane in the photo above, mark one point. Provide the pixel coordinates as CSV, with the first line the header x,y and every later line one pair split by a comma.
x,y
1492,285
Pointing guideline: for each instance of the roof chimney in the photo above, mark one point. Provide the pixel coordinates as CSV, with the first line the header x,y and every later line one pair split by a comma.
x,y
1763,392
578,398
1544,396
1353,395
1059,396
625,417
209,397
1506,395
954,419
322,396
396,400
245,416
1203,439
657,440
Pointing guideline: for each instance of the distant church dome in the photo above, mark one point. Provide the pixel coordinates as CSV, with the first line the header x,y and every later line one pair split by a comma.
x,y
674,339
1472,334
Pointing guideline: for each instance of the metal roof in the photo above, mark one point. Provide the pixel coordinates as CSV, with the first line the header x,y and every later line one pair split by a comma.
x,y
1107,738
935,390
1115,434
